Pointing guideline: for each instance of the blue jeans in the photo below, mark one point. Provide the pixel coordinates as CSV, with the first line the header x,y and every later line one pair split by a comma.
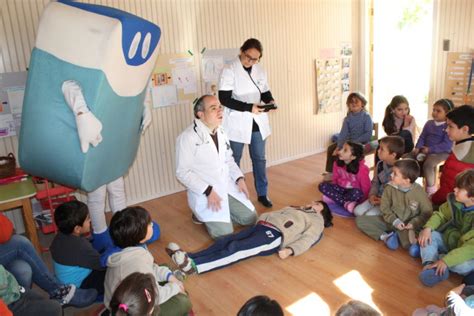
x,y
437,246
259,163
19,257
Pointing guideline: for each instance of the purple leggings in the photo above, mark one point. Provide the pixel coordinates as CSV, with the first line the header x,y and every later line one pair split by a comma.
x,y
339,194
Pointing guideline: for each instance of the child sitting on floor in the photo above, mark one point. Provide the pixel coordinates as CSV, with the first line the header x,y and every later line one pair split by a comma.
x,y
75,260
405,208
136,295
460,128
450,231
390,149
350,182
130,229
260,305
289,232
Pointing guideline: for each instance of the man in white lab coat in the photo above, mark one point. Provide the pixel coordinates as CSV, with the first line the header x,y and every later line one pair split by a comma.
x,y
217,193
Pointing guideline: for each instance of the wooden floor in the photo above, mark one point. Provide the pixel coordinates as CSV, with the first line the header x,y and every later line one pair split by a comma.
x,y
345,265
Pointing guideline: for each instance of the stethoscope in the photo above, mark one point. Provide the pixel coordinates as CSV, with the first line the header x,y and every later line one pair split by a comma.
x,y
204,140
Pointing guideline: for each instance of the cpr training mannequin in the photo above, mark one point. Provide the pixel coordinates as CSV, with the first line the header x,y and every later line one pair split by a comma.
x,y
87,82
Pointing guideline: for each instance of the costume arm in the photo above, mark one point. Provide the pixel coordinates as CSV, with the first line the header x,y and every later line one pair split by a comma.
x,y
88,126
146,117
184,163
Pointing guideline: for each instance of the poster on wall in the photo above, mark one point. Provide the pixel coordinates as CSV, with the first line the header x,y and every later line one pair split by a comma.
x,y
174,80
212,63
12,91
328,85
459,83
346,56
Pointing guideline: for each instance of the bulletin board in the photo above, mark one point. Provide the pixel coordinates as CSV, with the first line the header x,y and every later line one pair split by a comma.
x,y
12,91
329,85
459,83
212,63
174,80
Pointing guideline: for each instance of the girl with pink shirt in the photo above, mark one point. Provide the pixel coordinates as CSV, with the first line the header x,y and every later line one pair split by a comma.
x,y
350,183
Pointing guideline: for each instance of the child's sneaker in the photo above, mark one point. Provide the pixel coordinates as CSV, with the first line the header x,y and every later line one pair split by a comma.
x,y
172,248
414,250
70,295
429,278
391,241
184,263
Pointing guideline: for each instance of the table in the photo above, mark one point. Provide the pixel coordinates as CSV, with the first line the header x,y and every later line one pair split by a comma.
x,y
18,194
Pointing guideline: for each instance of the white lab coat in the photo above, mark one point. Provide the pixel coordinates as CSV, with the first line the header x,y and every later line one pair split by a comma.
x,y
199,164
246,88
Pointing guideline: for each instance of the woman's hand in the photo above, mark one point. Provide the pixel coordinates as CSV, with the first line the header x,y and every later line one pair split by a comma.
x,y
256,109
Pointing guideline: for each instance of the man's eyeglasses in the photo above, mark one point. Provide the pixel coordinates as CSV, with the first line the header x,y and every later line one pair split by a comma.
x,y
251,59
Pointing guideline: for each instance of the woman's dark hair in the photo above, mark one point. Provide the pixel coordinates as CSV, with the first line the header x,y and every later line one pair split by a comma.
x,y
69,215
388,122
136,295
261,305
357,151
357,95
129,226
446,104
327,215
252,43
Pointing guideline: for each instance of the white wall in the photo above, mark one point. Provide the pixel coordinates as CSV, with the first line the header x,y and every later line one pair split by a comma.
x,y
454,21
292,34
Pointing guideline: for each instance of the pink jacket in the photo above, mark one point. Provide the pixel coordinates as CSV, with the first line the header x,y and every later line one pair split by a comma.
x,y
348,180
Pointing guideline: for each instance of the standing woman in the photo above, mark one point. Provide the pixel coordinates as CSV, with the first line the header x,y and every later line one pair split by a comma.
x,y
243,87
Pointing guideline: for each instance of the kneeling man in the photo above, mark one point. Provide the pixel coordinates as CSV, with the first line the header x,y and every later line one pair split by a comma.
x,y
217,193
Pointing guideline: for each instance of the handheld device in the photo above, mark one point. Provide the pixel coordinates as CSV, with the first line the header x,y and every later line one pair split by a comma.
x,y
268,107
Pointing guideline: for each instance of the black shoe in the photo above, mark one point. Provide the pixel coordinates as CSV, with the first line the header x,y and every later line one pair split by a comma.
x,y
265,201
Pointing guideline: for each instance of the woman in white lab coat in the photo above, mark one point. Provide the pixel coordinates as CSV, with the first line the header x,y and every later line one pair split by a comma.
x,y
216,189
243,87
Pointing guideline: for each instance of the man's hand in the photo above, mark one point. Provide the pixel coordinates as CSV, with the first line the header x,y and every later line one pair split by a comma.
x,y
425,237
409,226
374,200
243,187
285,253
439,265
214,201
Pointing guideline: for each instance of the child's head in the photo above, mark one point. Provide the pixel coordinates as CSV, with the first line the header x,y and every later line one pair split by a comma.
x,y
131,227
261,305
136,295
356,308
398,108
73,217
464,188
391,148
350,155
405,172
356,102
460,123
441,108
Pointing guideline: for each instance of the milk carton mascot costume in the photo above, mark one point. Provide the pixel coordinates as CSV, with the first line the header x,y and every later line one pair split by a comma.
x,y
87,85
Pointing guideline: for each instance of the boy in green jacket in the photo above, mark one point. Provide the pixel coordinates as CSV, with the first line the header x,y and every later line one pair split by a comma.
x,y
450,231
